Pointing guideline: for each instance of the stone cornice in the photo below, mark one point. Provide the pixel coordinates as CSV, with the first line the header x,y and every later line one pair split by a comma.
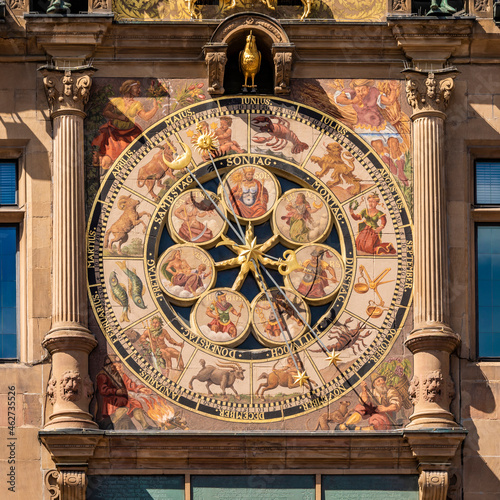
x,y
401,451
68,40
428,42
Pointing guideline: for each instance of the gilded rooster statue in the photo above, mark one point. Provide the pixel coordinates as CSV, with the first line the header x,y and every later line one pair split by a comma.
x,y
250,61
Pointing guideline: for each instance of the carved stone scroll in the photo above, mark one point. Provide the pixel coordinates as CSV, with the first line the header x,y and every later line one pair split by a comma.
x,y
67,91
282,57
99,5
67,483
215,59
433,485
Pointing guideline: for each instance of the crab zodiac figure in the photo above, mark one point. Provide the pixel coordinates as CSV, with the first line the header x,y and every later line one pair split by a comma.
x,y
279,134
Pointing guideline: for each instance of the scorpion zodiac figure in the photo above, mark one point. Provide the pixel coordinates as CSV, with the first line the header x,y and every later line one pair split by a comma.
x,y
279,134
346,337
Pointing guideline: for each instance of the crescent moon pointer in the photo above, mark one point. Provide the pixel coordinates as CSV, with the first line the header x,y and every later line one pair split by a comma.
x,y
181,161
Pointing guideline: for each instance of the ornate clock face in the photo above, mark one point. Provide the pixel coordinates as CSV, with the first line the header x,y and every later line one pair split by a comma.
x,y
236,244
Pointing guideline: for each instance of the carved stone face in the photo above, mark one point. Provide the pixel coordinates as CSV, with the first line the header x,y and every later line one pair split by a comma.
x,y
432,386
70,386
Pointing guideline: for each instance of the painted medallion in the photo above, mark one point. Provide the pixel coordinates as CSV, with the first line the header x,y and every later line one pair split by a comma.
x,y
250,193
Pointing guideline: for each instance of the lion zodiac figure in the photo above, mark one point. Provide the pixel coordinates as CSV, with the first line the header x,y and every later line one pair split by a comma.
x,y
342,166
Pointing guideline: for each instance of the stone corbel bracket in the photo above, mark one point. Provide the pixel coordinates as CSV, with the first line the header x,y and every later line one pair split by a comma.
x,y
282,57
266,29
429,43
70,452
215,59
434,451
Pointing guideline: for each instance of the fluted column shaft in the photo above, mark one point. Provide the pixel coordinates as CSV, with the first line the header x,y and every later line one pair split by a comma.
x,y
431,292
432,340
69,341
69,297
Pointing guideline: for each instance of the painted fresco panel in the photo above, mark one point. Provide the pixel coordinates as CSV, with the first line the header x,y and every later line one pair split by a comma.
x,y
189,246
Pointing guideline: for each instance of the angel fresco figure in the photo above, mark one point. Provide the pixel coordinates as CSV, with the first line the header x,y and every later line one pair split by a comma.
x,y
376,111
120,129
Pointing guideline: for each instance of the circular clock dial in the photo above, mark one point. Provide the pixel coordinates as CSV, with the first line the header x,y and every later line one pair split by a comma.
x,y
235,291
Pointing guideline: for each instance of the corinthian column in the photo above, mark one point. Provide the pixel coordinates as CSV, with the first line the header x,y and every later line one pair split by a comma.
x,y
69,341
432,340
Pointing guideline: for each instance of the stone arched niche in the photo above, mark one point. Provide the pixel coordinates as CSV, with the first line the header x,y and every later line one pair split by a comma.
x,y
272,41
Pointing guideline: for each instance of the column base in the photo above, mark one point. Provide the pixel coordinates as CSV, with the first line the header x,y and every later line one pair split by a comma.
x,y
70,389
433,420
70,419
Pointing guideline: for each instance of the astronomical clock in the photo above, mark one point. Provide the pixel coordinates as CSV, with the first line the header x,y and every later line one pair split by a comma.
x,y
249,260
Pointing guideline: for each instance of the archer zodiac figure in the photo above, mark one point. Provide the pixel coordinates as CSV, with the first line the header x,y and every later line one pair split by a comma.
x,y
250,62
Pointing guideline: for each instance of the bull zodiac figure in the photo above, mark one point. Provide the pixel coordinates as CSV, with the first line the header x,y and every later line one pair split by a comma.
x,y
224,376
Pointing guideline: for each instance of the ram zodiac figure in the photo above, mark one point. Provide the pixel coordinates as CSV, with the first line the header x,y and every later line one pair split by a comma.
x,y
224,376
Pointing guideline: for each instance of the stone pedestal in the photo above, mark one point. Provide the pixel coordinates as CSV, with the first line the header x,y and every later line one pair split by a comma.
x,y
69,341
432,340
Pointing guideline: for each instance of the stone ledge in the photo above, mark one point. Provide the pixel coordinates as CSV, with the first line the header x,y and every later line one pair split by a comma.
x,y
112,451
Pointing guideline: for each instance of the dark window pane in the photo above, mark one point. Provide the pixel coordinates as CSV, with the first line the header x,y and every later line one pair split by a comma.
x,y
488,290
8,240
9,347
488,182
8,291
8,183
484,293
8,324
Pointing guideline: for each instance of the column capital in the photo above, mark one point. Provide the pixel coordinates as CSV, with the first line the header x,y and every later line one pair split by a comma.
x,y
429,92
67,89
